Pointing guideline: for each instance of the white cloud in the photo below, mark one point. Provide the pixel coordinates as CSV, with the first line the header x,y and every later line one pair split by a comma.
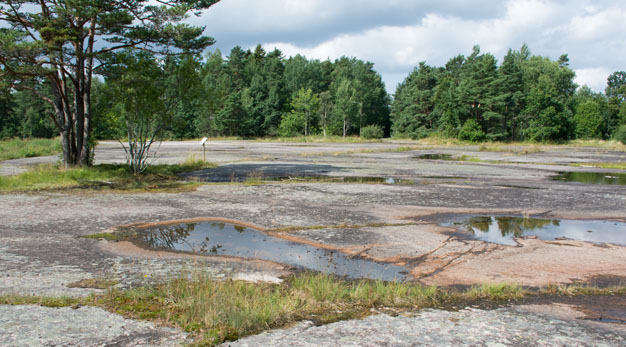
x,y
594,78
396,35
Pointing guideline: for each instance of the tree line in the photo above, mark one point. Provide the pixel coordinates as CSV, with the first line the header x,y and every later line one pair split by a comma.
x,y
526,97
254,93
258,93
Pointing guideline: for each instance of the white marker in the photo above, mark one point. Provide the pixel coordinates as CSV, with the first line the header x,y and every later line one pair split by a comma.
x,y
203,148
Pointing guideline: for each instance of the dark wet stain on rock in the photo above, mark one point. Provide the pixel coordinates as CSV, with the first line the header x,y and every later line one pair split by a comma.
x,y
435,156
336,179
219,238
504,229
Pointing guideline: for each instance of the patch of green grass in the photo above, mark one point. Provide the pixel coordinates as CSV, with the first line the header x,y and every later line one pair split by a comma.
x,y
17,148
12,299
318,139
514,148
218,311
606,165
471,159
496,291
116,236
575,290
52,177
95,283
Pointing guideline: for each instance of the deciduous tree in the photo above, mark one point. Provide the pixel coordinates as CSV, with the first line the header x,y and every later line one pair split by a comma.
x,y
65,43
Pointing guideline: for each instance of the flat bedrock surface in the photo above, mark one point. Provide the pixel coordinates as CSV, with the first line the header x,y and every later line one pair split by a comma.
x,y
40,252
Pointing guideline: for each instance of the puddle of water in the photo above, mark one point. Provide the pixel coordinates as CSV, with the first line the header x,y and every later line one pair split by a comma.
x,y
503,229
435,156
345,179
217,238
592,177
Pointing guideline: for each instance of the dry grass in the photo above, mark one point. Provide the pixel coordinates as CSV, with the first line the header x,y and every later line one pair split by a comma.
x,y
607,144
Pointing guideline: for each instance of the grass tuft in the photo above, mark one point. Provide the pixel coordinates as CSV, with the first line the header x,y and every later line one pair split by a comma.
x,y
17,148
604,165
218,311
13,299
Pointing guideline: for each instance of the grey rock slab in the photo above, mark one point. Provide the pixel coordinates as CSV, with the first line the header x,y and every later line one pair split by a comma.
x,y
468,327
85,326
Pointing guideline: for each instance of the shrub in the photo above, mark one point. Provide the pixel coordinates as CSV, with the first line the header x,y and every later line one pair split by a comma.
x,y
373,131
420,133
620,134
471,131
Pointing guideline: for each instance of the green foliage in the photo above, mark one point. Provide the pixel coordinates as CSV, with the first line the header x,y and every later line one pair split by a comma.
x,y
65,44
9,123
547,114
291,125
620,134
304,106
588,120
616,85
471,131
525,98
346,108
24,115
412,110
373,131
137,85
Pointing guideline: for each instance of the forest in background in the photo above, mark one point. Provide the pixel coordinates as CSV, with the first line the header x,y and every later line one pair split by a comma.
x,y
254,93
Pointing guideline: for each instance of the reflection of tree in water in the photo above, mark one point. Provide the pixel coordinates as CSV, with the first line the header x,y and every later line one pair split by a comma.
x,y
174,237
509,225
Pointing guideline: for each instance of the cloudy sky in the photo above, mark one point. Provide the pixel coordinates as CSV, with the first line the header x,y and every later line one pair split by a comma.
x,y
397,34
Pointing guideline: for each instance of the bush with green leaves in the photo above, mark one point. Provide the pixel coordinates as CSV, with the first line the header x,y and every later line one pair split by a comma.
x,y
373,131
620,134
471,131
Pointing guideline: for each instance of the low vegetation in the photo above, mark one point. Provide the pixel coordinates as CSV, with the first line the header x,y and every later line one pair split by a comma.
x,y
604,165
217,311
104,176
317,139
17,148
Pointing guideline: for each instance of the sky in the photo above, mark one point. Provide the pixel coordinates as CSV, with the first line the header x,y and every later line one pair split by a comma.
x,y
396,35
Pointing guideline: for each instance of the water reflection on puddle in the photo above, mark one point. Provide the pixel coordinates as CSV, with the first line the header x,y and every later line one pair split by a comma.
x,y
217,238
592,177
503,229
